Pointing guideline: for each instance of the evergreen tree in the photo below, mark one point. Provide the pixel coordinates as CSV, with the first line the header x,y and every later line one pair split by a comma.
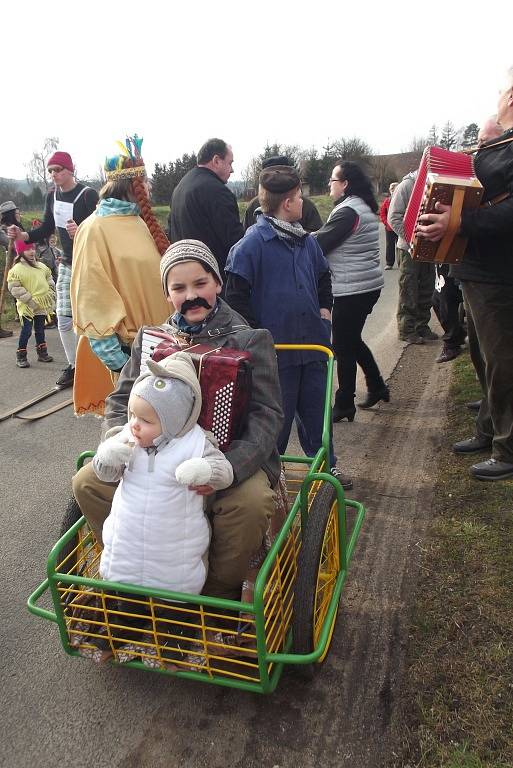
x,y
432,138
314,172
449,137
470,136
166,177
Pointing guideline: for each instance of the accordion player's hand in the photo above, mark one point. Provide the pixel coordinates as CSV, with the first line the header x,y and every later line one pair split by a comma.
x,y
434,225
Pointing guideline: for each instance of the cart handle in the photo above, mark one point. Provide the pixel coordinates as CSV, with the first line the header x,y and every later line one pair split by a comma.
x,y
306,348
43,613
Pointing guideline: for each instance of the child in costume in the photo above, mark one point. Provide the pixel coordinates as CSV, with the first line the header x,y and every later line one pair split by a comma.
x,y
157,534
115,281
32,285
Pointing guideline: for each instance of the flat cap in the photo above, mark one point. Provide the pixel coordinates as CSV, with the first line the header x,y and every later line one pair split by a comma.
x,y
279,179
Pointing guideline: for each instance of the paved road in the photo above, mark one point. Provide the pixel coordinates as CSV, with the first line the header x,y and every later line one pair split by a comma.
x,y
59,710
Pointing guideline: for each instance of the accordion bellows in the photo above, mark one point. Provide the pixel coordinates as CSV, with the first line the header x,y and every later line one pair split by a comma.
x,y
449,178
225,379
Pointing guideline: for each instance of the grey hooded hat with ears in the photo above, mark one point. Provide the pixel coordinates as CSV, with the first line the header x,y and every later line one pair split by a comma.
x,y
172,388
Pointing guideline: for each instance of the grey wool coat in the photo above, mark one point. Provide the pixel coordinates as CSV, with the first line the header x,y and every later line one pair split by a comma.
x,y
256,448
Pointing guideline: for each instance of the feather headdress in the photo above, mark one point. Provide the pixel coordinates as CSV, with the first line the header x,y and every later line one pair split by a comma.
x,y
129,163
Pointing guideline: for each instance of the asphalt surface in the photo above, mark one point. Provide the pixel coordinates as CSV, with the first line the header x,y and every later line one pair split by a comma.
x,y
66,711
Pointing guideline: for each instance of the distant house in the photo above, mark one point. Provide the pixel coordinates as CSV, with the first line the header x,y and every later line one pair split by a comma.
x,y
388,168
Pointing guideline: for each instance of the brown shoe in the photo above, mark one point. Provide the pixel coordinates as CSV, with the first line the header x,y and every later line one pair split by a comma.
x,y
427,334
412,338
447,354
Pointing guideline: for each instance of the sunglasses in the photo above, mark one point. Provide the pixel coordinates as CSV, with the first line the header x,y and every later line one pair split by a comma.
x,y
55,170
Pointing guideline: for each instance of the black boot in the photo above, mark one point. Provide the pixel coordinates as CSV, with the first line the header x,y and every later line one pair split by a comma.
x,y
383,393
21,359
343,408
42,353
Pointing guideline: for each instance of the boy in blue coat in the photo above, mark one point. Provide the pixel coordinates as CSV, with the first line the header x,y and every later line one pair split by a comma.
x,y
279,279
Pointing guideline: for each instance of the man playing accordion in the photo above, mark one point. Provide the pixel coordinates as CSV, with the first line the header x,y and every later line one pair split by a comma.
x,y
486,275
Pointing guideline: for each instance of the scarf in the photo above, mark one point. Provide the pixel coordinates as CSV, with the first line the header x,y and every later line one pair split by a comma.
x,y
181,323
291,232
111,206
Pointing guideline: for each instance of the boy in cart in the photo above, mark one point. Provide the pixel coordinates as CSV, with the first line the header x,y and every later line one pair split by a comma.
x,y
278,278
240,515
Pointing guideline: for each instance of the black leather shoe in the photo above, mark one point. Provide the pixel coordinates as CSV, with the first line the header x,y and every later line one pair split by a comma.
x,y
472,445
340,413
492,469
475,405
374,397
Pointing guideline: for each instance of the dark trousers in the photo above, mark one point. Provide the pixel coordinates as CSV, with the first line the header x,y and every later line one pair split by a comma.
x,y
38,322
416,284
303,391
349,316
391,241
446,304
489,310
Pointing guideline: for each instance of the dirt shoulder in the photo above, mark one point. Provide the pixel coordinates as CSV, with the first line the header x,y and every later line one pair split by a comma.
x,y
457,697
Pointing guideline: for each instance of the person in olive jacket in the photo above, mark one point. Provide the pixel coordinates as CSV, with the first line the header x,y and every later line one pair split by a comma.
x,y
202,206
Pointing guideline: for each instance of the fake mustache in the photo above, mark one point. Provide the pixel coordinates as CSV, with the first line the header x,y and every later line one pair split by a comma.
x,y
199,302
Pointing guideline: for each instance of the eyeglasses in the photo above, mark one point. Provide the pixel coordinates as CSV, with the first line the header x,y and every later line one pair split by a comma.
x,y
330,181
55,170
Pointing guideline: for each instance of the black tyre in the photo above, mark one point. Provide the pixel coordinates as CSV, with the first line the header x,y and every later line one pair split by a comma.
x,y
71,515
317,570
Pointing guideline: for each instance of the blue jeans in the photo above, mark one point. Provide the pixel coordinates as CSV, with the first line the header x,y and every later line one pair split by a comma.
x,y
303,390
26,330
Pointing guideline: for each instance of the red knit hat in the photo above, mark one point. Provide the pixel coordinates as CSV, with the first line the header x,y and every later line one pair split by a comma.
x,y
21,246
63,159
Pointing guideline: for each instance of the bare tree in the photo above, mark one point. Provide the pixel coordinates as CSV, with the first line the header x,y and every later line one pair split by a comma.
x,y
418,144
8,189
382,172
36,168
351,149
250,175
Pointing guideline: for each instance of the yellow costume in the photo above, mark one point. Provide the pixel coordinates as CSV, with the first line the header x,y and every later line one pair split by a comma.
x,y
115,289
115,279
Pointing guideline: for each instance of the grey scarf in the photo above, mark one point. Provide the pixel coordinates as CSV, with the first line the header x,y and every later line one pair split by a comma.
x,y
291,232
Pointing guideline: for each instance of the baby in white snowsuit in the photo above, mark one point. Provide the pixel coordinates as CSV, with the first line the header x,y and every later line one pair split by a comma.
x,y
157,533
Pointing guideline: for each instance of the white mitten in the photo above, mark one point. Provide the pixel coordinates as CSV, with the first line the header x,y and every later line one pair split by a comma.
x,y
194,472
116,450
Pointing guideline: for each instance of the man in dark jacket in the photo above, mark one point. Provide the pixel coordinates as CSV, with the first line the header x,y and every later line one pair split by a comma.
x,y
486,275
202,206
310,218
192,282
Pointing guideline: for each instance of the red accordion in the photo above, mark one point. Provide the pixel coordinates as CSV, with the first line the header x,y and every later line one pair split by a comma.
x,y
448,178
225,380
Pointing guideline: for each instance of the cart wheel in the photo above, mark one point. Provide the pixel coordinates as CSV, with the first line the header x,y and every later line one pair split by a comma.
x,y
71,515
317,571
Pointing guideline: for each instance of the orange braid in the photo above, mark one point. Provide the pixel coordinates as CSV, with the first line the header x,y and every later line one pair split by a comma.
x,y
148,216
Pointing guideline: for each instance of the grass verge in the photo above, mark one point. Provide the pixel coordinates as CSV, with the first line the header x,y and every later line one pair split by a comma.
x,y
457,701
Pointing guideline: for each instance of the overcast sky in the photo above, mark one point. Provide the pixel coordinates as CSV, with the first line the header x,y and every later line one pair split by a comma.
x,y
180,72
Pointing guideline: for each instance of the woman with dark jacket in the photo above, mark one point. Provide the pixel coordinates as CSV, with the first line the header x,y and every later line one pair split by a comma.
x,y
350,242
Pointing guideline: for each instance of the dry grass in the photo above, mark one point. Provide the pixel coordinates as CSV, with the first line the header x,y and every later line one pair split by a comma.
x,y
458,699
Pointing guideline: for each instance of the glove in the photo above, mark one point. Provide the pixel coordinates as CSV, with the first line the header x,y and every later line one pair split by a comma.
x,y
116,450
194,472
